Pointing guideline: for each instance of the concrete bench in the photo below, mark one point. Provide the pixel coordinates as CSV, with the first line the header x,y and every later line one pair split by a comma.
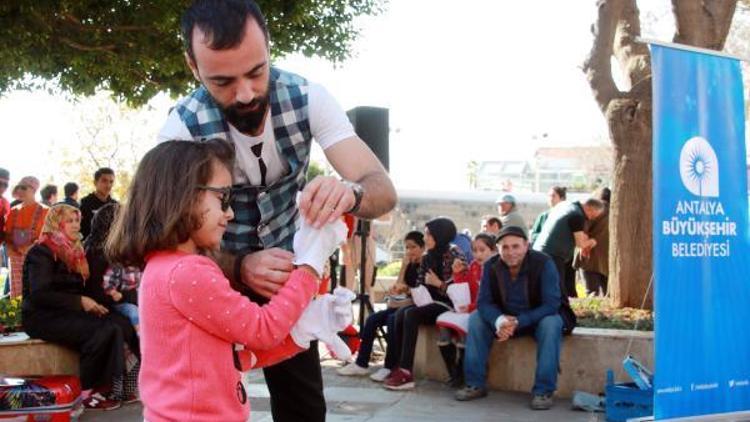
x,y
21,355
585,357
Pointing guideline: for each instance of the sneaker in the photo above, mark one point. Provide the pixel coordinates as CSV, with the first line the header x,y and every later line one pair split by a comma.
x,y
353,370
399,379
542,402
470,393
97,401
131,399
380,375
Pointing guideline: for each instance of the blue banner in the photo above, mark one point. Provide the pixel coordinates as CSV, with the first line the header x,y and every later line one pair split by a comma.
x,y
702,276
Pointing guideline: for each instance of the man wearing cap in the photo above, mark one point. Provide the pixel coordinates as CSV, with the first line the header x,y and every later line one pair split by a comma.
x,y
563,232
519,295
509,215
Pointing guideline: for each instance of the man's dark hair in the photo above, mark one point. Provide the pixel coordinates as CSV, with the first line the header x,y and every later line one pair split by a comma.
x,y
495,222
594,203
101,172
70,189
561,191
416,237
223,22
603,194
47,192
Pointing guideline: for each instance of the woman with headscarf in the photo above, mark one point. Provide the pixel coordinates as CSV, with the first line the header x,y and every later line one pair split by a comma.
x,y
435,275
56,309
22,229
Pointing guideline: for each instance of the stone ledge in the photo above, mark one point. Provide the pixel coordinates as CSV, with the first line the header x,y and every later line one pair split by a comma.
x,y
20,355
586,356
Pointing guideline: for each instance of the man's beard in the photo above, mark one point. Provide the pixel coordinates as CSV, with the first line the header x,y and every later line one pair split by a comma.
x,y
247,117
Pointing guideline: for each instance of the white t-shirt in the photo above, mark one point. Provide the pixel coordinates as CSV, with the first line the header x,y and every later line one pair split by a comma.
x,y
328,125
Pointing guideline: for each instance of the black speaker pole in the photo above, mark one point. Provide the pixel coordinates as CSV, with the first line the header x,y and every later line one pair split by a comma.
x,y
363,231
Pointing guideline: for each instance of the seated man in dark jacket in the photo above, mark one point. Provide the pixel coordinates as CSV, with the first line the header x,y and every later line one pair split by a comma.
x,y
519,295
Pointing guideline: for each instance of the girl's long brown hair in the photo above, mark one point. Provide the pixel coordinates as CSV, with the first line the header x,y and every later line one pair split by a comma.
x,y
159,213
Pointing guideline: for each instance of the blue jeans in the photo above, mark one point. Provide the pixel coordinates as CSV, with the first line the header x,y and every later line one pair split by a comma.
x,y
548,335
129,310
369,331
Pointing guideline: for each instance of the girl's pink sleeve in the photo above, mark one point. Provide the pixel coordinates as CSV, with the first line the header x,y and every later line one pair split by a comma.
x,y
200,292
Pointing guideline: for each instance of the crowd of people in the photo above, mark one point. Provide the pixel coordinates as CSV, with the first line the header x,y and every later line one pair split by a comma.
x,y
221,242
68,286
517,283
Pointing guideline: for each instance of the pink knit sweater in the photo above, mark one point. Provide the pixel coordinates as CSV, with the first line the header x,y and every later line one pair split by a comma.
x,y
190,319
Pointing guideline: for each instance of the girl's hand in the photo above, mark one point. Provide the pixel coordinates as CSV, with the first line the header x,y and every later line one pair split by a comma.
x,y
432,279
116,296
397,289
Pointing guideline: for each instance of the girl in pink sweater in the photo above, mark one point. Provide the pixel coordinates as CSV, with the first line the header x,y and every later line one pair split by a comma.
x,y
197,333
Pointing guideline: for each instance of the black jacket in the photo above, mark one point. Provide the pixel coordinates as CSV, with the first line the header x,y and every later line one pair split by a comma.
x,y
48,283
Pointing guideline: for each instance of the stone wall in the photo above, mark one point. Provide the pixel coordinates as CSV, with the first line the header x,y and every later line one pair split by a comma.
x,y
586,356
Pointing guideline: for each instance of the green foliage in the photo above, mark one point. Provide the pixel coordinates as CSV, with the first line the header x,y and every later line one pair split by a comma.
x,y
10,313
390,270
133,48
315,169
599,312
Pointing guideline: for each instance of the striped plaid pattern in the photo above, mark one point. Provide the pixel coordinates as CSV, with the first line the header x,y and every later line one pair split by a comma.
x,y
263,216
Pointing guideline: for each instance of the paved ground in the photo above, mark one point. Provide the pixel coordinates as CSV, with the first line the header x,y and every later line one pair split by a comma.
x,y
359,399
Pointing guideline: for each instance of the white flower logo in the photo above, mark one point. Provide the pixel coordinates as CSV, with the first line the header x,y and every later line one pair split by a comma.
x,y
699,168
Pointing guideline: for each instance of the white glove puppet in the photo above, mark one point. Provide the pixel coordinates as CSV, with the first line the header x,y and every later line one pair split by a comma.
x,y
314,246
323,319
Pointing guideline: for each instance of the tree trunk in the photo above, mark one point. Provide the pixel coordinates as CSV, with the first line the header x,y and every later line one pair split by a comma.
x,y
630,261
703,23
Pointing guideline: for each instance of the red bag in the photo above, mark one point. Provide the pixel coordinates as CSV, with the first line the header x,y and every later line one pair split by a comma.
x,y
50,398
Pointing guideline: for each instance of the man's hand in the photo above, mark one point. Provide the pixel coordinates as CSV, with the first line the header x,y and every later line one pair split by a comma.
x,y
324,200
507,328
89,305
266,271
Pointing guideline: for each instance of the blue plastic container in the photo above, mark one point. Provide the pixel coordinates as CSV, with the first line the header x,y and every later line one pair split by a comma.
x,y
626,401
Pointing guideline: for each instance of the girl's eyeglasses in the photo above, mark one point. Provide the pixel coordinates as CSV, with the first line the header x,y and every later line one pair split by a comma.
x,y
225,195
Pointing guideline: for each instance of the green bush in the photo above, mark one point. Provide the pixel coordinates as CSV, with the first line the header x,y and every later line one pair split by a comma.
x,y
598,312
10,313
390,270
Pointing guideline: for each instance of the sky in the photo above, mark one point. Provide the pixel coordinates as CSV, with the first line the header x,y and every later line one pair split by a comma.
x,y
483,81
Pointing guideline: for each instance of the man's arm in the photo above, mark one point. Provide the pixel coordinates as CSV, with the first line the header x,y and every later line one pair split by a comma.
x,y
263,272
325,199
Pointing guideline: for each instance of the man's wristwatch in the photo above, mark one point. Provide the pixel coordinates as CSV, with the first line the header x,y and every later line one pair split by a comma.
x,y
358,194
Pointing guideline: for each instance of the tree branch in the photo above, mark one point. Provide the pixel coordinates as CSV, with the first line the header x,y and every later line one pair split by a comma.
x,y
74,20
109,48
598,67
632,55
703,23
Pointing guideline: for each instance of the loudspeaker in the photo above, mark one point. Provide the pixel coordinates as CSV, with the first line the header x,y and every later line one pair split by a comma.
x,y
371,124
